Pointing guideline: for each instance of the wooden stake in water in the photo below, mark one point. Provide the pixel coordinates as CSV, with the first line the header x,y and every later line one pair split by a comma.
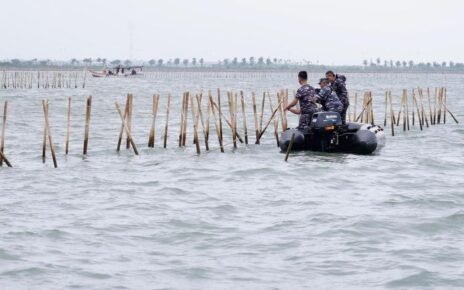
x,y
2,140
121,130
44,140
415,102
255,117
151,138
268,122
262,114
203,126
392,115
129,135
184,131
68,127
276,122
290,145
87,124
182,116
219,113
195,125
129,118
213,113
245,129
167,121
47,128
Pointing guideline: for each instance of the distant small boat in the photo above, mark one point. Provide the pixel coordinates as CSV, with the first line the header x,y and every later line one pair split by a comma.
x,y
119,71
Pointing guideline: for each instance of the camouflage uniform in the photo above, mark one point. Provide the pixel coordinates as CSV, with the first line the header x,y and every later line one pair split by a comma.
x,y
307,97
329,100
339,87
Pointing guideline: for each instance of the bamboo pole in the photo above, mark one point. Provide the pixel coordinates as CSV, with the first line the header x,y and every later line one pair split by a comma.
x,y
129,119
121,130
231,111
87,124
3,157
452,115
47,128
68,127
423,114
2,141
235,102
268,122
151,138
290,145
245,129
392,115
255,117
195,125
430,106
208,115
262,114
44,141
184,131
182,116
355,106
415,102
362,112
219,113
227,121
276,122
213,113
371,108
167,121
128,133
399,112
203,126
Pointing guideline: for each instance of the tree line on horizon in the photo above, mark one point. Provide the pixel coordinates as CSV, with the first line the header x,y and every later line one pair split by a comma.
x,y
249,62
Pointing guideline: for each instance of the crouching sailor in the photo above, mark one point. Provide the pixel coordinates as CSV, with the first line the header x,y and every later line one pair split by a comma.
x,y
328,98
306,96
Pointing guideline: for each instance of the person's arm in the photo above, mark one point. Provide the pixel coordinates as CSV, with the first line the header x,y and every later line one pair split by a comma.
x,y
295,111
292,104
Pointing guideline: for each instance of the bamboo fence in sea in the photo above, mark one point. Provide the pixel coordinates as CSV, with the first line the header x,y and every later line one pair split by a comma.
x,y
215,112
42,79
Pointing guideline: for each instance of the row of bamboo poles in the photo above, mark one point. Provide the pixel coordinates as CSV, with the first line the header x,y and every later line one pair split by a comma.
x,y
203,111
42,79
223,112
428,110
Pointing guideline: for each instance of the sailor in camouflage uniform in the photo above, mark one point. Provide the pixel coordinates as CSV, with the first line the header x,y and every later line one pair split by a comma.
x,y
306,96
337,83
328,98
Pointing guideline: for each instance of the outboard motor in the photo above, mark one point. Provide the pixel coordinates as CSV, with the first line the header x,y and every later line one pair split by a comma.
x,y
324,126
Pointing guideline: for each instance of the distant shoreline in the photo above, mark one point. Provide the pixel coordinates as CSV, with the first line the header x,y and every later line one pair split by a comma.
x,y
217,69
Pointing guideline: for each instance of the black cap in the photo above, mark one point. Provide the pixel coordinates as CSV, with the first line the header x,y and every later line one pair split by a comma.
x,y
322,80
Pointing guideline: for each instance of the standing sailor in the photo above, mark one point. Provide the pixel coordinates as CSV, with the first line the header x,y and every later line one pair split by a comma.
x,y
306,96
337,83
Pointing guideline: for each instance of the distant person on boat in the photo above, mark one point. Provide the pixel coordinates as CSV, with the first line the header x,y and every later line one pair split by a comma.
x,y
328,98
306,96
337,83
133,72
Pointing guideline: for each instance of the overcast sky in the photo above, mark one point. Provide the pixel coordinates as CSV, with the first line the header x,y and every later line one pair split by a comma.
x,y
331,32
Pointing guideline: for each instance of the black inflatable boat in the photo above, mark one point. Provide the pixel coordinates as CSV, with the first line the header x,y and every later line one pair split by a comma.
x,y
327,134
